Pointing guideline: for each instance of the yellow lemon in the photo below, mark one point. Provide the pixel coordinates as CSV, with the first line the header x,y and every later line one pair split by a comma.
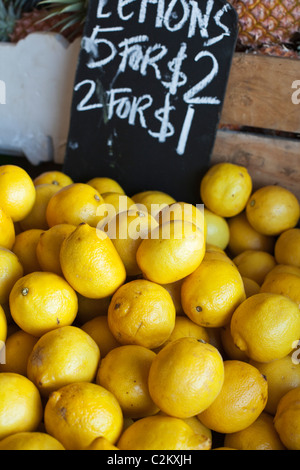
x,y
56,178
217,255
124,372
241,400
197,427
116,203
265,326
91,308
161,433
217,230
255,264
11,271
20,405
152,201
17,192
25,248
212,292
243,237
36,219
272,210
184,327
100,443
141,312
171,252
41,302
260,435
18,349
49,246
127,231
287,248
63,356
98,329
225,189
287,421
282,283
282,375
185,377
91,264
251,286
230,349
174,289
224,448
185,212
106,185
79,413
3,328
283,268
74,205
7,230
30,441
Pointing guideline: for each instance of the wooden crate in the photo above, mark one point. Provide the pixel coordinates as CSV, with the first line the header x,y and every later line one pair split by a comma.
x,y
259,95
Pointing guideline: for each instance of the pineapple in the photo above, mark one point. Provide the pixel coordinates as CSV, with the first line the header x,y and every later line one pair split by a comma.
x,y
18,18
267,21
10,12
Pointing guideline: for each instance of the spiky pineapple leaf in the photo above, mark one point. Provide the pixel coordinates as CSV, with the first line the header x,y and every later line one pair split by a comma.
x,y
74,10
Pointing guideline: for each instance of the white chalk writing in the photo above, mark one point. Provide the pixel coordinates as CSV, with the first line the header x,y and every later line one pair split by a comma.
x,y
155,60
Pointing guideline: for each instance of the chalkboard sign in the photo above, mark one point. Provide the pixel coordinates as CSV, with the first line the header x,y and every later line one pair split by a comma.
x,y
149,90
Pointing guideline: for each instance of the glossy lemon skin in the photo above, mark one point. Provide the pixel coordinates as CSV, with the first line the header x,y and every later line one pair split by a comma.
x,y
11,270
273,209
212,292
20,405
217,230
261,435
287,248
124,371
225,189
161,432
259,330
243,237
91,264
25,249
18,349
7,230
242,399
17,192
74,204
63,356
173,251
79,413
185,377
30,441
49,245
282,375
41,302
141,312
106,185
286,420
283,283
255,264
36,219
56,178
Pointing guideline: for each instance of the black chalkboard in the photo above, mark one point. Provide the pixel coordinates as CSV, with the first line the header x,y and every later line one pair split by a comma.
x,y
148,95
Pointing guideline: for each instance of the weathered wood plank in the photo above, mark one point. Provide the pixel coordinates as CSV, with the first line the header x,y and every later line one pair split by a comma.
x,y
270,160
259,93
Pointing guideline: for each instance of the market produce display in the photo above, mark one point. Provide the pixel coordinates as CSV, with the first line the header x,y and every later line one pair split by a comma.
x,y
269,28
138,322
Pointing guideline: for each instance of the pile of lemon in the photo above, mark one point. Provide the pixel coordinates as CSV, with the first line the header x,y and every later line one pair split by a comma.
x,y
184,329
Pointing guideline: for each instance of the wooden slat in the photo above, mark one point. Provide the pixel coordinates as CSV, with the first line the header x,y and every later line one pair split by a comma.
x,y
269,160
259,93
